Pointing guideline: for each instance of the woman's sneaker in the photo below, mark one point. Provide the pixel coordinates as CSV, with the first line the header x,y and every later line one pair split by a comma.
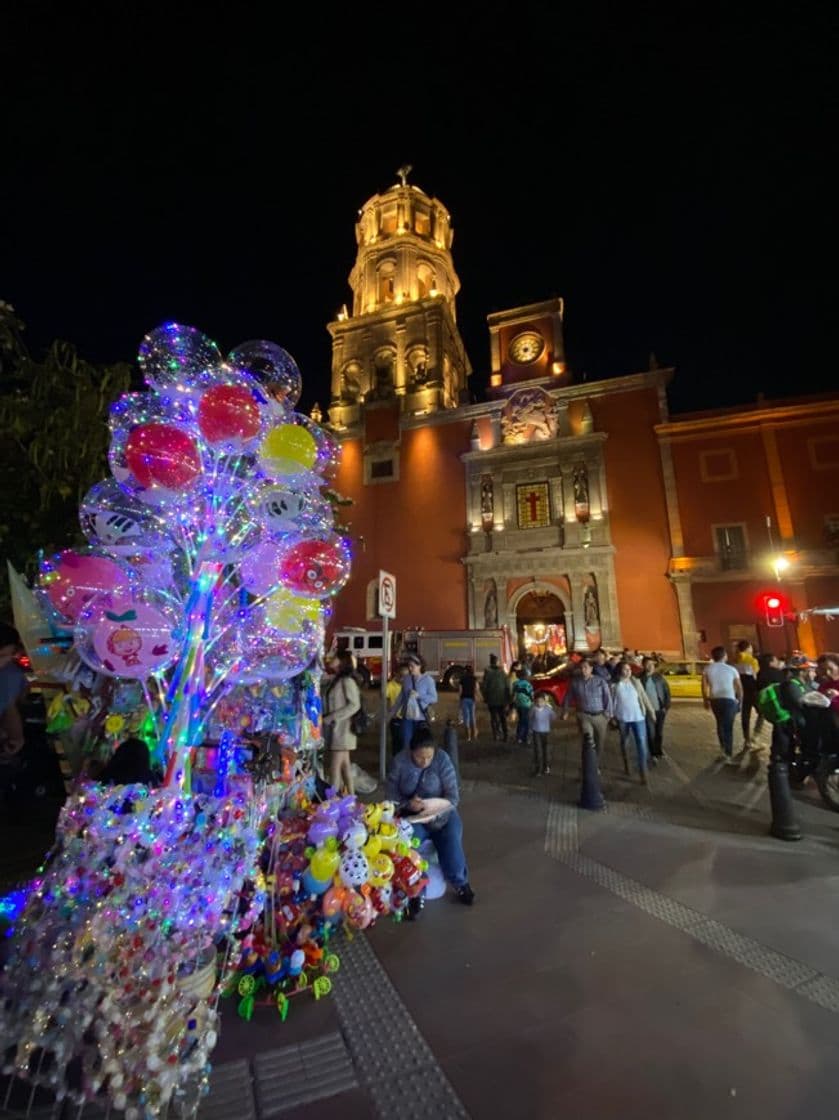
x,y
465,894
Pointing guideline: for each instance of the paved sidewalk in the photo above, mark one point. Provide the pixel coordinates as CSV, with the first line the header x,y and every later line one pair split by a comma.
x,y
664,958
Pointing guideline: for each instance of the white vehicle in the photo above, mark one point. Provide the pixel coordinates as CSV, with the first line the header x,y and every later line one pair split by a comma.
x,y
444,653
366,647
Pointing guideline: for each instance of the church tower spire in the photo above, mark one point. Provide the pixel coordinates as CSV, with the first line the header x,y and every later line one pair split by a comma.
x,y
401,338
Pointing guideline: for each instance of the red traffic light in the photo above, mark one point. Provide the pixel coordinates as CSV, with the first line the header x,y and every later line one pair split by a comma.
x,y
774,608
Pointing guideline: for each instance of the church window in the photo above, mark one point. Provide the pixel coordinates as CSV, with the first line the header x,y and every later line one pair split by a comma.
x,y
422,223
389,220
381,468
533,505
425,281
381,464
387,283
731,546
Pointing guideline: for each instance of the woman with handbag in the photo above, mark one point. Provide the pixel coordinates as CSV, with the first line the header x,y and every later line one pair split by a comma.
x,y
341,700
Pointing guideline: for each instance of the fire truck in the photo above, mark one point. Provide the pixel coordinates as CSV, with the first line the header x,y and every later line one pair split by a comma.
x,y
444,653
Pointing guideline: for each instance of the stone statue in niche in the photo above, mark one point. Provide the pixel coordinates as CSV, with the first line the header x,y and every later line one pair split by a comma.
x,y
530,414
582,509
491,606
591,610
420,373
581,485
487,496
350,388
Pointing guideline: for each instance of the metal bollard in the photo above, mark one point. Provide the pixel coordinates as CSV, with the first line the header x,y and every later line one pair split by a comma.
x,y
591,795
784,825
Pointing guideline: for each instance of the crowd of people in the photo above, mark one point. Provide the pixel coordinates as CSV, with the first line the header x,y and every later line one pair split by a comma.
x,y
799,697
627,692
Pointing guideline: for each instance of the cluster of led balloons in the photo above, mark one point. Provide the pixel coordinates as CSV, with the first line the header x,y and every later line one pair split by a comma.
x,y
217,482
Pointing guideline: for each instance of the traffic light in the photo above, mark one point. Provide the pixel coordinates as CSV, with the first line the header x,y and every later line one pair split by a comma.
x,y
773,608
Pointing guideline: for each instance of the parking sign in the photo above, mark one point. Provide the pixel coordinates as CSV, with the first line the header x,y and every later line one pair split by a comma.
x,y
387,595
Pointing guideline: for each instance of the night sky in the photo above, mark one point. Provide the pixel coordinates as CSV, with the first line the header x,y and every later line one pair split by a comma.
x,y
664,168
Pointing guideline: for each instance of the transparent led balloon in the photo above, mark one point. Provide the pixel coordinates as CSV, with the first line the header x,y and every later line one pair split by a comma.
x,y
232,417
316,568
216,504
73,577
129,632
157,452
110,518
284,510
174,356
271,366
289,454
328,449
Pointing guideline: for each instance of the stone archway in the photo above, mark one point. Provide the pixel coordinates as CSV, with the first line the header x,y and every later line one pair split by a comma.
x,y
539,615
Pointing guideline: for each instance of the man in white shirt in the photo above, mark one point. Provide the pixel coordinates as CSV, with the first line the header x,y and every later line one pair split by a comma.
x,y
722,692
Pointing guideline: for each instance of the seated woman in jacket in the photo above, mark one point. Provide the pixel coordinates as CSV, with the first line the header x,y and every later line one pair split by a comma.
x,y
341,700
419,772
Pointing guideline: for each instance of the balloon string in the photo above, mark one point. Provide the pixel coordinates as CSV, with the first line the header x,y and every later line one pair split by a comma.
x,y
151,707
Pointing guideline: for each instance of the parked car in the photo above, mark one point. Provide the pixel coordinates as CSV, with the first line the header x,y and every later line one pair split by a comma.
x,y
555,682
684,678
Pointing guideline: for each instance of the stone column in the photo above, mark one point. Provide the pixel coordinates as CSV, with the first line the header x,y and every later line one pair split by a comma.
x,y
578,611
470,598
572,526
495,351
400,377
607,597
687,620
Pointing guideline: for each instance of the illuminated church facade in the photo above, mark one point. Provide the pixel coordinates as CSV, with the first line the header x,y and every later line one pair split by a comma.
x,y
576,514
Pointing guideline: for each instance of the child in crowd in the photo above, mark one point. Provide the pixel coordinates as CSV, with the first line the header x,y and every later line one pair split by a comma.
x,y
541,717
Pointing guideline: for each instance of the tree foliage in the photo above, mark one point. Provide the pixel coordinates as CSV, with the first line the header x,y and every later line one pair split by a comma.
x,y
54,445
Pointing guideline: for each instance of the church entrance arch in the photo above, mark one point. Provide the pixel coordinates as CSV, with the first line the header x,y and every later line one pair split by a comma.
x,y
538,618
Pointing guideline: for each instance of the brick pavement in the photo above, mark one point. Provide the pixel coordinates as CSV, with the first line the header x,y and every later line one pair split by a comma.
x,y
663,958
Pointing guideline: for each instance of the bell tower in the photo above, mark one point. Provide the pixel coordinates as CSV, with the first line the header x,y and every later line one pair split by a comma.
x,y
400,340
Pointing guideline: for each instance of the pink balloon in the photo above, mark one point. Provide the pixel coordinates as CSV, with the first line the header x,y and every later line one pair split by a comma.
x,y
133,639
75,578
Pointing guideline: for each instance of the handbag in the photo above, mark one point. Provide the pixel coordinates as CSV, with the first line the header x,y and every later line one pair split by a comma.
x,y
413,711
436,823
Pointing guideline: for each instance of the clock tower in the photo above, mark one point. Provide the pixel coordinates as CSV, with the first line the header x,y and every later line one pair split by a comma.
x,y
399,340
527,346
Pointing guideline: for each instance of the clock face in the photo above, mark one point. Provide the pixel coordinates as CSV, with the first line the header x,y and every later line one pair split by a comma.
x,y
526,347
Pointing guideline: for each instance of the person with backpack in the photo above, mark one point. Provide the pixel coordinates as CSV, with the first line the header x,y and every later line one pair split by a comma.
x,y
522,693
786,703
341,701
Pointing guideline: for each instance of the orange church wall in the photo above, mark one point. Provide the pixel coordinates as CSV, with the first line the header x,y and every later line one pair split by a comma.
x,y
414,528
812,485
823,592
646,601
744,499
381,422
719,606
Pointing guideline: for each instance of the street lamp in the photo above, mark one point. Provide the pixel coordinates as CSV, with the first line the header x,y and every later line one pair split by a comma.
x,y
779,562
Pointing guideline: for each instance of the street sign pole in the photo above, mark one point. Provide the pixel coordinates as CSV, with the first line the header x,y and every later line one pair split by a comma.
x,y
387,611
384,720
